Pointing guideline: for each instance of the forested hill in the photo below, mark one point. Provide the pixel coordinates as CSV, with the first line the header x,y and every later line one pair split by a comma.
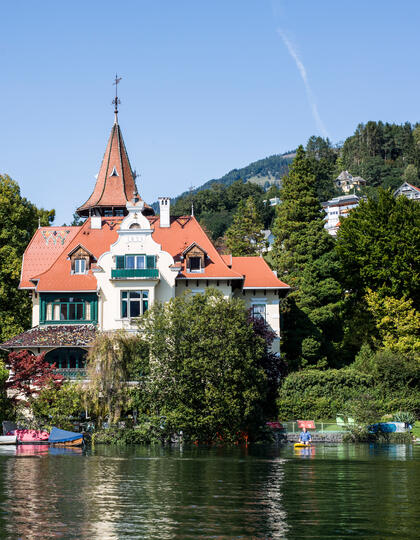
x,y
264,172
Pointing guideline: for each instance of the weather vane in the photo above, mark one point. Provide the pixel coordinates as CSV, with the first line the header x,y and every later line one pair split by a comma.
x,y
116,101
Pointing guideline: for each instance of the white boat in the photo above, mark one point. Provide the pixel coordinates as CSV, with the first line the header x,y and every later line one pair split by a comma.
x,y
7,439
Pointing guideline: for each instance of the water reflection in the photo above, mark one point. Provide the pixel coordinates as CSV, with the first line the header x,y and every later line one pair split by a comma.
x,y
156,492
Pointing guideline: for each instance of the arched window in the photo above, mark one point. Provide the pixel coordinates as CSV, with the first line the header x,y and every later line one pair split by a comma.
x,y
67,358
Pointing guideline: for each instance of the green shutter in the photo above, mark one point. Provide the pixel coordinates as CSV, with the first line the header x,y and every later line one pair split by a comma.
x,y
120,261
151,261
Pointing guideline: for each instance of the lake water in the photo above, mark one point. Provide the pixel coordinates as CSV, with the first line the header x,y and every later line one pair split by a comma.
x,y
329,491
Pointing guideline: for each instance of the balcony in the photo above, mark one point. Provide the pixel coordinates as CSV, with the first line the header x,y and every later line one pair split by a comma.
x,y
71,373
138,273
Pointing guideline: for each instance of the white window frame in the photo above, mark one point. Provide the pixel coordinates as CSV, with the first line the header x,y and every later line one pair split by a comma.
x,y
144,298
259,305
79,266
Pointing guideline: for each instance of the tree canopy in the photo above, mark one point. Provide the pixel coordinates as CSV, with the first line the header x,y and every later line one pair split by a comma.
x,y
245,237
378,246
304,258
205,375
19,220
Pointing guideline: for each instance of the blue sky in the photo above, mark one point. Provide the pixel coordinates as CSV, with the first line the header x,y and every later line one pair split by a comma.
x,y
207,86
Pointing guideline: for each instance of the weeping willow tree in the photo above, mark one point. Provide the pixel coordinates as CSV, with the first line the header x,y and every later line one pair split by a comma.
x,y
111,362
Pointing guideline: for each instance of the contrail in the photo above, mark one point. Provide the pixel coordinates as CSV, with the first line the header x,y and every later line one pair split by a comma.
x,y
302,71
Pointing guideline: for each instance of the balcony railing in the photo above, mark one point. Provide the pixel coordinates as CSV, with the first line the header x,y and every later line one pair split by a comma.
x,y
71,373
145,273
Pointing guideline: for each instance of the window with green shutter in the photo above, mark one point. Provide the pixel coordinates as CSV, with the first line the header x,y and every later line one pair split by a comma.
x,y
120,262
151,261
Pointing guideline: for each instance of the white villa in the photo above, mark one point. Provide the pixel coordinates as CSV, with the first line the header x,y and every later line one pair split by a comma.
x,y
336,209
409,191
103,274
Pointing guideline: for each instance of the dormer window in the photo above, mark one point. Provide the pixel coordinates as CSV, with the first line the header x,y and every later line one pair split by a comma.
x,y
80,266
80,259
194,264
195,259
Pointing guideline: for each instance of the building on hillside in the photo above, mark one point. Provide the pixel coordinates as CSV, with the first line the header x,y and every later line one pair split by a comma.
x,y
336,209
273,202
347,183
269,238
409,191
102,275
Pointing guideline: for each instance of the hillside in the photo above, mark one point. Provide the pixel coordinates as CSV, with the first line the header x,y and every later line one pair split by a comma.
x,y
264,172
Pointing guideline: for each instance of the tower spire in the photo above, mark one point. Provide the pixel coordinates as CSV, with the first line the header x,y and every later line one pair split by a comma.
x,y
116,101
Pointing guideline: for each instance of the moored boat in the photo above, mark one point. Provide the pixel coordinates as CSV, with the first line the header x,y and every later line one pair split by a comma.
x,y
31,436
60,437
8,439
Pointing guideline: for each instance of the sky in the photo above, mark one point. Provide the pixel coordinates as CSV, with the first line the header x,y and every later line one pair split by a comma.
x,y
207,86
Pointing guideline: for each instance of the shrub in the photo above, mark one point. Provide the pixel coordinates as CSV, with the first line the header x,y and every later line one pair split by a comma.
x,y
404,416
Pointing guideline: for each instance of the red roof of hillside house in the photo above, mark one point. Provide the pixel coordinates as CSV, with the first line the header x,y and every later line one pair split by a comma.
x,y
257,273
115,184
414,187
183,232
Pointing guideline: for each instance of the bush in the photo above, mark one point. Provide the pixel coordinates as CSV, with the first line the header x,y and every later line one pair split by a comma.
x,y
320,394
57,406
324,394
404,416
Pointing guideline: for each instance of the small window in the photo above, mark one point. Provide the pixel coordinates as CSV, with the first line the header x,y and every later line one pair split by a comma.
x,y
119,212
134,303
258,311
135,262
195,264
79,266
108,213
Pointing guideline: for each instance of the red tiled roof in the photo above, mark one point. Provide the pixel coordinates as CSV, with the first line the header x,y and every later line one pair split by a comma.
x,y
115,184
52,269
183,232
258,274
46,245
58,276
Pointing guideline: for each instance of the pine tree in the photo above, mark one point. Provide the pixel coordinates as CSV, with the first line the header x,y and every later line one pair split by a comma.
x,y
304,258
244,237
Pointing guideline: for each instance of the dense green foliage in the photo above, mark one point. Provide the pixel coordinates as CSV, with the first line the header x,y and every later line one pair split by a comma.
x,y
379,247
113,360
304,258
384,154
56,406
19,220
205,371
215,207
244,237
388,387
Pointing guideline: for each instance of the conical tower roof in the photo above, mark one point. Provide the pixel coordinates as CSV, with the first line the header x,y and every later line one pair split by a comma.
x,y
115,184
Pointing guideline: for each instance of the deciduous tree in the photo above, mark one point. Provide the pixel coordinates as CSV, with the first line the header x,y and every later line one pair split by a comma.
x,y
205,366
19,220
30,373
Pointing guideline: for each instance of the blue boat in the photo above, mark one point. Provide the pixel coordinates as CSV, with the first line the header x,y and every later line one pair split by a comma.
x,y
61,437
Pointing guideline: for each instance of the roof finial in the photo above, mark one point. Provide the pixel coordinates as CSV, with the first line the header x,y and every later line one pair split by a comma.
x,y
116,101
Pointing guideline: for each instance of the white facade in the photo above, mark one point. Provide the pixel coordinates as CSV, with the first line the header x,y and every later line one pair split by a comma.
x,y
409,191
337,209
